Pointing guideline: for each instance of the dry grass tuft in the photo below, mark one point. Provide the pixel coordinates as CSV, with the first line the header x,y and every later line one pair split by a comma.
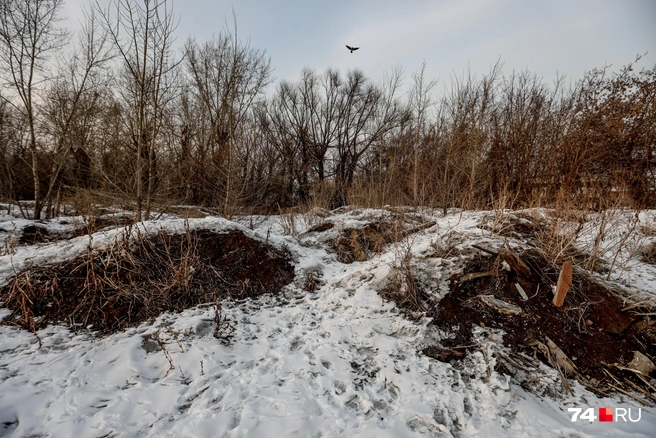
x,y
649,253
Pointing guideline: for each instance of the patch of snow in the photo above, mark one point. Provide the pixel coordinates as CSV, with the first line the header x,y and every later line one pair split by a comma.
x,y
335,362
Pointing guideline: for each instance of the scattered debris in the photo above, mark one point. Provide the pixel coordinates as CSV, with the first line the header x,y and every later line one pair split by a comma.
x,y
642,363
517,264
501,306
475,275
521,291
558,360
592,328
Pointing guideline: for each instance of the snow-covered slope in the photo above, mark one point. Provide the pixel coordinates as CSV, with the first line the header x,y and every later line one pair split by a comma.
x,y
336,362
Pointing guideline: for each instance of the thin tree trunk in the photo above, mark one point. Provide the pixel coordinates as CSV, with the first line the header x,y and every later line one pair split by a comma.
x,y
35,172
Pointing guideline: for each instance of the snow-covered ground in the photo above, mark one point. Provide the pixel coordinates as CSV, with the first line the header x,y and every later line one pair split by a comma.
x,y
336,362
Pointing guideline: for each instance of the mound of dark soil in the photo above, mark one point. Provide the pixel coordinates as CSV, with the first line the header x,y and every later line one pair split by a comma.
x,y
591,328
40,233
137,279
357,244
36,233
94,224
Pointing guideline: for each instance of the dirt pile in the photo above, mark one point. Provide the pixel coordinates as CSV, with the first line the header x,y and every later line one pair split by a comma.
x,y
41,233
357,244
34,233
138,278
594,337
93,224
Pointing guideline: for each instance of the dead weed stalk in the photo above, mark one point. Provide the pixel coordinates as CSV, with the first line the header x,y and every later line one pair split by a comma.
x,y
403,287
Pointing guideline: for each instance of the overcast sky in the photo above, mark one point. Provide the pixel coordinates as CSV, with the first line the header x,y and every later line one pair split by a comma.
x,y
544,36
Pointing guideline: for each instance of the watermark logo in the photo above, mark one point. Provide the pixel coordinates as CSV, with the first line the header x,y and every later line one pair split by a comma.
x,y
606,415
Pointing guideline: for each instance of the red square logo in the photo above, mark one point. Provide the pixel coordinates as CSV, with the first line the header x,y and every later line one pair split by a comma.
x,y
606,414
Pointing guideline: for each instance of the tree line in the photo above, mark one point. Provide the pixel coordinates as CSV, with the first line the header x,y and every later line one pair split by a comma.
x,y
119,116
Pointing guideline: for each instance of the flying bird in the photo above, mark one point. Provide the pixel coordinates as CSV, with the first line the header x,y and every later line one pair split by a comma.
x,y
351,48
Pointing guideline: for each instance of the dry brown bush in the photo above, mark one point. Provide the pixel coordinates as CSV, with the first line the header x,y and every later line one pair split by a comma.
x,y
403,287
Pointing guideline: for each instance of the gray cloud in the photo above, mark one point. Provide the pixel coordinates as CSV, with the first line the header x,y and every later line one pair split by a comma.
x,y
566,36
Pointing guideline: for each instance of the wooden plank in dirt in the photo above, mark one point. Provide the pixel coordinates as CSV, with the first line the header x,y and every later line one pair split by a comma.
x,y
564,283
559,359
501,306
517,264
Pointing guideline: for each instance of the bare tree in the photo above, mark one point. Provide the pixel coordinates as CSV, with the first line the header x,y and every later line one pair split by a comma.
x,y
142,33
325,127
367,114
28,36
420,103
608,148
70,101
227,77
9,151
290,116
466,110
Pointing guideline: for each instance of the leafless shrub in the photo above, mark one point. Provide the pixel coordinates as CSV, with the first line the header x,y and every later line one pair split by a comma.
x,y
312,281
9,243
557,239
222,328
447,244
649,253
403,288
288,222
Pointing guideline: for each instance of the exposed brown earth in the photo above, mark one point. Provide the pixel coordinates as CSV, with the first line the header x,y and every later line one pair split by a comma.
x,y
137,279
593,328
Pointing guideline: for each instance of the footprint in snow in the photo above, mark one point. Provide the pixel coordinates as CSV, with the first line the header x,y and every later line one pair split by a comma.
x,y
235,421
296,344
340,387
